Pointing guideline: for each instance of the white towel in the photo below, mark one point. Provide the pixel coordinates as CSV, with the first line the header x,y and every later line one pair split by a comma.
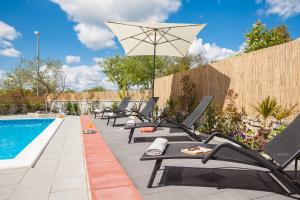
x,y
131,122
157,147
98,110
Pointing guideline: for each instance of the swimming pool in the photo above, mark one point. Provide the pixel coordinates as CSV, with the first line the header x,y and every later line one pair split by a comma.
x,y
23,140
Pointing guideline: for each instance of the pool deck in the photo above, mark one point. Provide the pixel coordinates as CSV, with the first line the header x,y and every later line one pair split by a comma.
x,y
188,179
59,174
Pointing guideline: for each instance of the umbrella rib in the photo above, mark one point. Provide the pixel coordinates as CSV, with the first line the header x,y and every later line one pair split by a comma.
x,y
168,41
133,36
173,46
138,44
162,35
176,37
147,34
178,26
143,40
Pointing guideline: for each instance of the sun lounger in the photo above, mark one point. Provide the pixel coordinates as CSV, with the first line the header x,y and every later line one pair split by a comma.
x,y
120,109
283,149
143,115
186,125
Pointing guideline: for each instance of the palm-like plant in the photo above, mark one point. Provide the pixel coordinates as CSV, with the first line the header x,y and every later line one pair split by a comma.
x,y
284,112
267,108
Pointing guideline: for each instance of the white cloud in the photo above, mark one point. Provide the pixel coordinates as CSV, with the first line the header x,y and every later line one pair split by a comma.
x,y
211,52
91,15
72,59
94,37
283,8
84,76
8,34
10,52
97,59
2,73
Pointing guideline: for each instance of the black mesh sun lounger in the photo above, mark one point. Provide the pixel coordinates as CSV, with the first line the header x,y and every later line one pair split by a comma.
x,y
143,115
186,125
282,149
120,109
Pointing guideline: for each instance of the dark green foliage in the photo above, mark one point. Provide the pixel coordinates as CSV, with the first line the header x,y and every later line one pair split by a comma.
x,y
76,108
114,105
178,108
260,37
69,108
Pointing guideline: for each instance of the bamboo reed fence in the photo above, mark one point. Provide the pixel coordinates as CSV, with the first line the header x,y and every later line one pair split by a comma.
x,y
273,71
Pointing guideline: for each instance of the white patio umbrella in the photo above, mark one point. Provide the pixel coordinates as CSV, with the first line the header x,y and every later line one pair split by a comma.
x,y
163,39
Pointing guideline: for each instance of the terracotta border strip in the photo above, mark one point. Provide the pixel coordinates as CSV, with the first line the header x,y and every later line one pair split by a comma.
x,y
107,179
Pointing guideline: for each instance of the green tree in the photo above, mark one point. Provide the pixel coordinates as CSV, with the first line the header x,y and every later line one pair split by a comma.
x,y
52,81
261,37
130,71
99,88
126,72
19,80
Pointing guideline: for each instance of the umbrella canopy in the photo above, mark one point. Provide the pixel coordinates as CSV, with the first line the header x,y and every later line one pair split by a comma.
x,y
163,39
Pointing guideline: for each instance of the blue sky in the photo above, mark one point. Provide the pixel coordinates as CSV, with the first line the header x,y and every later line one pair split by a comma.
x,y
74,32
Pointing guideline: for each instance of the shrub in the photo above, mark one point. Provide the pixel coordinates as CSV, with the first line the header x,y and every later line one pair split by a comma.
x,y
187,99
209,121
69,108
76,108
4,108
114,105
228,121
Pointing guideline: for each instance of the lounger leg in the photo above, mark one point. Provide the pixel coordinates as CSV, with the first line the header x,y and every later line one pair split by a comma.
x,y
296,168
102,117
130,135
95,115
108,118
152,177
114,122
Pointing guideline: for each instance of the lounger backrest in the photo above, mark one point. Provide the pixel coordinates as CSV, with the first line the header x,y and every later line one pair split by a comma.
x,y
124,103
284,147
147,110
198,112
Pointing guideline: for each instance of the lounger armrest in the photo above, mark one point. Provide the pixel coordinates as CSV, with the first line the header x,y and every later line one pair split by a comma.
x,y
233,147
222,135
159,117
166,120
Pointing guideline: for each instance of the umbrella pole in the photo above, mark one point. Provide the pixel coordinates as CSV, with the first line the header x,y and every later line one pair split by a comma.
x,y
154,57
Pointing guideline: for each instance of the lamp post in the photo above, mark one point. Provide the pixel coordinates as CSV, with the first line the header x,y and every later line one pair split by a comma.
x,y
37,33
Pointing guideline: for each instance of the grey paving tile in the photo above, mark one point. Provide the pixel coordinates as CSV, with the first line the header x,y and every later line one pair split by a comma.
x,y
6,191
226,195
69,195
37,193
276,197
223,188
68,183
10,178
168,195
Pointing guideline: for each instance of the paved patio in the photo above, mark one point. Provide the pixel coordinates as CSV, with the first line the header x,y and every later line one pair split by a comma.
x,y
59,174
188,179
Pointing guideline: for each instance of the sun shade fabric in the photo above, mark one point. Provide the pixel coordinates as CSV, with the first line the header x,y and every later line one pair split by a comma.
x,y
138,38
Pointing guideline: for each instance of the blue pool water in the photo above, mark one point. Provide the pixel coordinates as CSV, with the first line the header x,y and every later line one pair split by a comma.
x,y
15,135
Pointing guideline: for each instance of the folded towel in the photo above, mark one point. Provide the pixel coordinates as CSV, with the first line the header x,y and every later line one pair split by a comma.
x,y
157,147
132,117
98,110
111,114
147,129
130,122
